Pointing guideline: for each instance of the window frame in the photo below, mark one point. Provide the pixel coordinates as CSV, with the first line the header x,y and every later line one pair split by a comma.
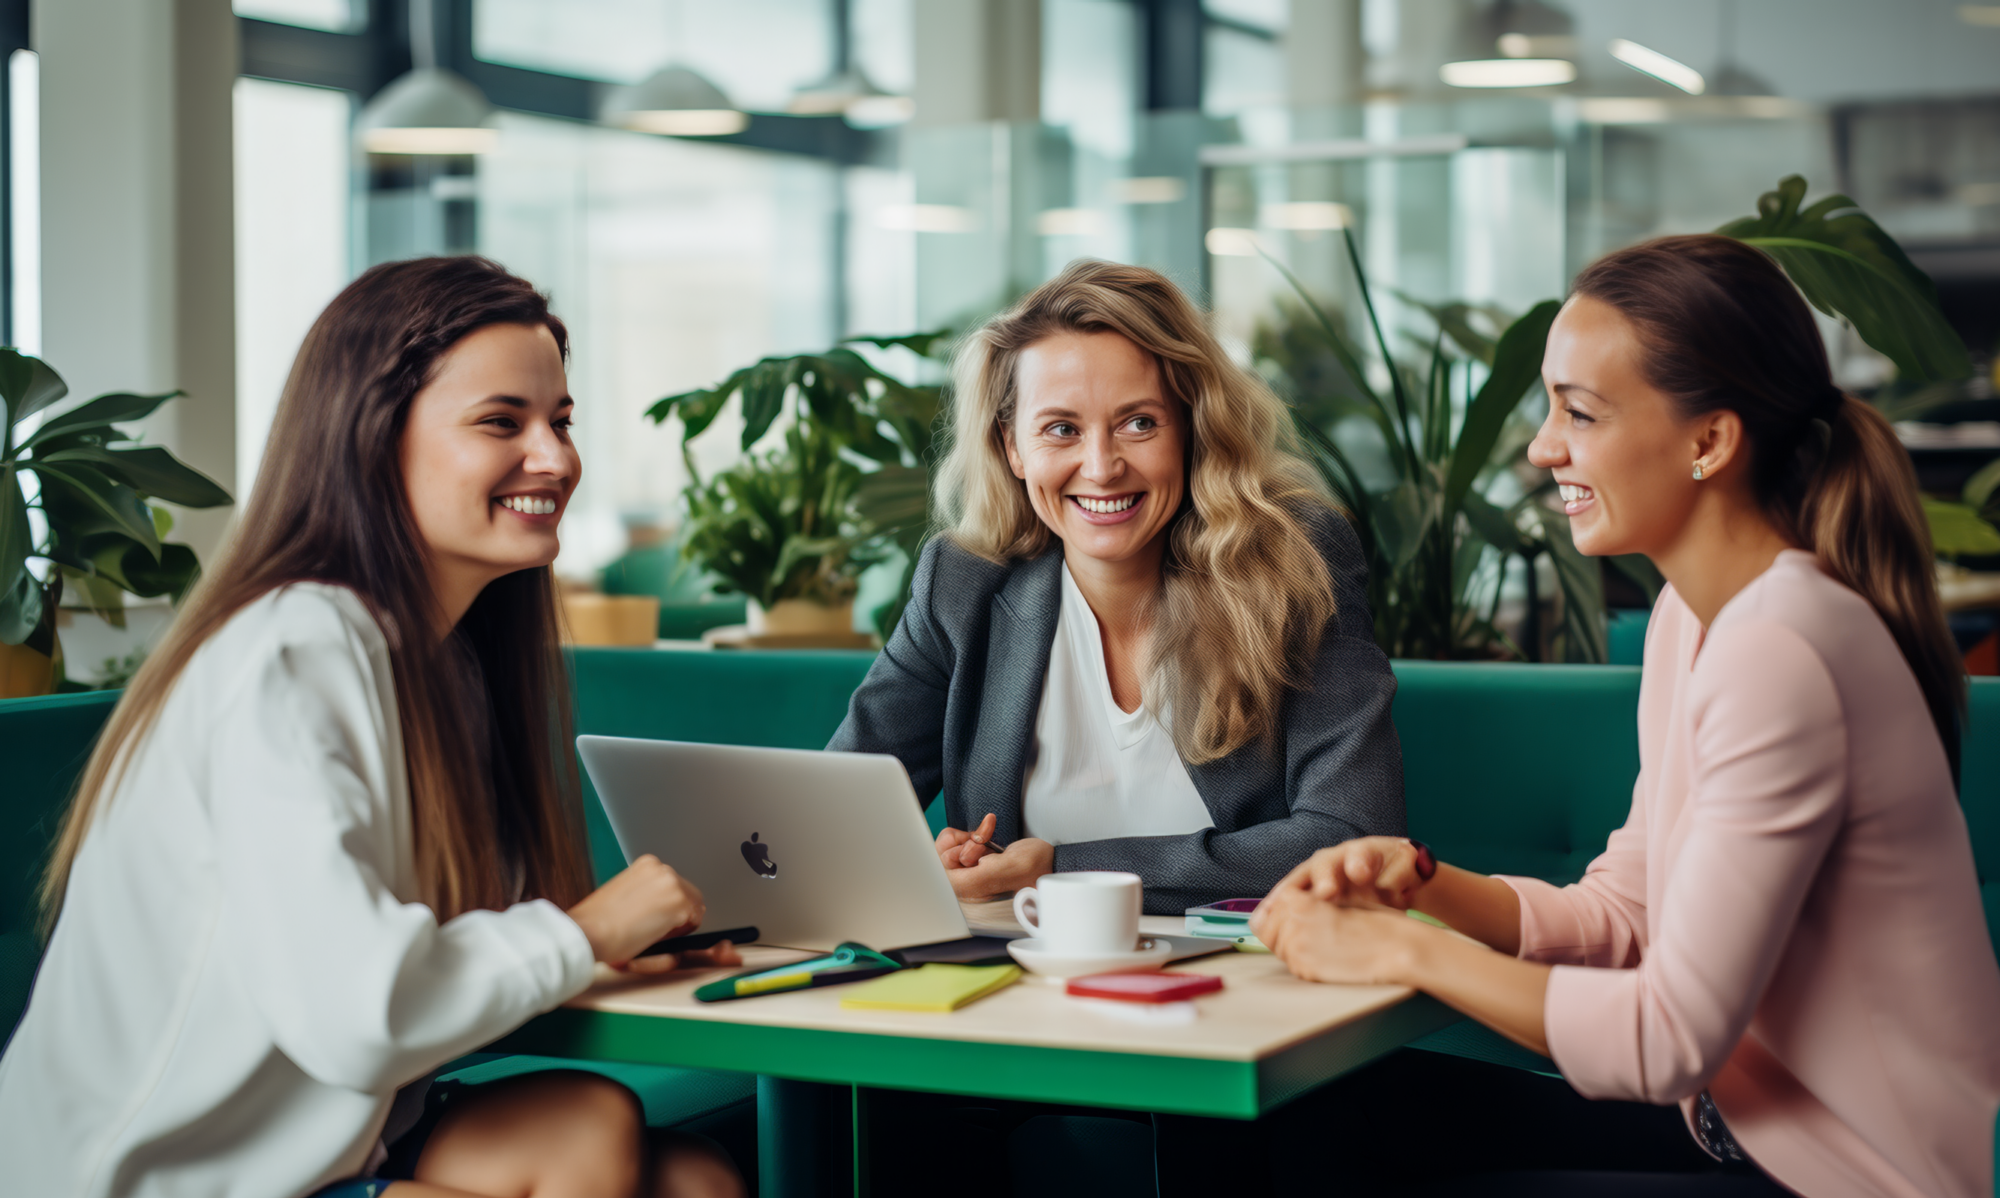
x,y
14,35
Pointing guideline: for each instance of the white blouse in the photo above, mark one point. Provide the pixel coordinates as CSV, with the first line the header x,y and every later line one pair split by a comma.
x,y
1099,772
242,976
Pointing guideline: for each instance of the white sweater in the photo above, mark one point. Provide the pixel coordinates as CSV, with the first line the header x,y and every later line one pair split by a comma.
x,y
242,976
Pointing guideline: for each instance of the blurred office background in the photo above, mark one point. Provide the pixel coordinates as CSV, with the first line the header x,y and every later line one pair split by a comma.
x,y
700,184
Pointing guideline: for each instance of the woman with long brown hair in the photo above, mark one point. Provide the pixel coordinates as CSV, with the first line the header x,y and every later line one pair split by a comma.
x,y
331,837
1141,641
1785,939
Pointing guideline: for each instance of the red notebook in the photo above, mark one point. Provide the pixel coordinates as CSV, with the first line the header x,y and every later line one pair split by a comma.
x,y
1145,987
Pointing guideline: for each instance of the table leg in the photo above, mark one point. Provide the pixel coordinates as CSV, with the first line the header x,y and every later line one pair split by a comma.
x,y
804,1142
863,1183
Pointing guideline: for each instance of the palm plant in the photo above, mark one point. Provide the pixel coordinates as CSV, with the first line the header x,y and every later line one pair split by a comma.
x,y
1428,530
100,535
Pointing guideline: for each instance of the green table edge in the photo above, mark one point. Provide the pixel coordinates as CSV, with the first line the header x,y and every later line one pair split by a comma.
x,y
1028,1073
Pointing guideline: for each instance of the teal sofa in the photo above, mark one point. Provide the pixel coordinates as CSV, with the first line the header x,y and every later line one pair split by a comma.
x,y
1509,769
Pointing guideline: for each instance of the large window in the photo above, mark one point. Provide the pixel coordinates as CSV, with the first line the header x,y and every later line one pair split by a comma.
x,y
674,262
335,16
757,51
292,218
24,117
1243,55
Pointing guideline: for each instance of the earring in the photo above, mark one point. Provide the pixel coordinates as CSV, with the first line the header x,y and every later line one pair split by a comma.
x,y
1697,472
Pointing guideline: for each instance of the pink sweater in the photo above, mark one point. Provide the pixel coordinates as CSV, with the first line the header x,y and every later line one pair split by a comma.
x,y
1790,916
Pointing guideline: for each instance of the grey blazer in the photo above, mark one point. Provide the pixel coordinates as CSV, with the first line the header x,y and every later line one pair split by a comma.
x,y
955,694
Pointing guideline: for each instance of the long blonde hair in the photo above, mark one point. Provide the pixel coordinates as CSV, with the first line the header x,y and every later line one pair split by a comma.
x,y
1244,593
494,796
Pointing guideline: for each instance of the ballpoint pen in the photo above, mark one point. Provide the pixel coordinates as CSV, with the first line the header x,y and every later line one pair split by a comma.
x,y
989,844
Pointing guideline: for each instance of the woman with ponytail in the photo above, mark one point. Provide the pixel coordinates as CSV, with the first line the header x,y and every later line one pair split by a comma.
x,y
1785,939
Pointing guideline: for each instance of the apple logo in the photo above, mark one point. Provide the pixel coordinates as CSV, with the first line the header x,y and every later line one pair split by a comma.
x,y
759,857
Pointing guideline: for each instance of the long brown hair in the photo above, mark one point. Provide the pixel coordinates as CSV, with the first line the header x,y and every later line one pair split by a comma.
x,y
1245,595
485,714
1723,328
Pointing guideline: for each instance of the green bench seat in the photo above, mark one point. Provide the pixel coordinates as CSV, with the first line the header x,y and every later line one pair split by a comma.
x,y
44,744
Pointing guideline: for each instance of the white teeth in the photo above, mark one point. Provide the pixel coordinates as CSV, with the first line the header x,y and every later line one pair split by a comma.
x,y
1105,507
1571,492
529,505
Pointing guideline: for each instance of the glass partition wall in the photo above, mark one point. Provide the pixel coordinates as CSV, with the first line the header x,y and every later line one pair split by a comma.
x,y
677,259
674,262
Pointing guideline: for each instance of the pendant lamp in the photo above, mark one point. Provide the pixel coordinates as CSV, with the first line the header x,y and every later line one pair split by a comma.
x,y
851,94
1514,43
674,100
429,110
1730,78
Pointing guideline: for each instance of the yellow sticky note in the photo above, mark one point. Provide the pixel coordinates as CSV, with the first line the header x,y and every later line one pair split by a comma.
x,y
934,987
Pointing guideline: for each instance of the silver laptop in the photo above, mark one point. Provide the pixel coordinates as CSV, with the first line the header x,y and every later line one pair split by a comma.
x,y
812,848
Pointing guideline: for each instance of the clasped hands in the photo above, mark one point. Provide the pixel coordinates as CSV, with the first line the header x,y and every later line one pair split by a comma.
x,y
1339,916
979,872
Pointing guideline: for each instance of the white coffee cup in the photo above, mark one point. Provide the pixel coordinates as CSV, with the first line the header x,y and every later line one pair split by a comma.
x,y
1087,913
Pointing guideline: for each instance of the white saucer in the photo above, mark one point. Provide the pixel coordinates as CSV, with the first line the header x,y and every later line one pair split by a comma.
x,y
1151,954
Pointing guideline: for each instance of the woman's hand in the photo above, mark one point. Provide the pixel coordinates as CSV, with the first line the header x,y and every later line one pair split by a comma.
x,y
957,847
1330,942
978,872
723,953
1360,945
1376,871
1333,942
646,902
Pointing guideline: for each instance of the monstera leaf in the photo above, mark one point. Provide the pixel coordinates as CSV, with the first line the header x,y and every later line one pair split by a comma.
x,y
93,486
1847,266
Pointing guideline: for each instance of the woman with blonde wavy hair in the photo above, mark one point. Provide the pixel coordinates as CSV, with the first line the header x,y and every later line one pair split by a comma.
x,y
1141,641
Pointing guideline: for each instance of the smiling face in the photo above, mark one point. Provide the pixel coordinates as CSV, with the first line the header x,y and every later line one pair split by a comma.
x,y
1618,446
1099,444
487,459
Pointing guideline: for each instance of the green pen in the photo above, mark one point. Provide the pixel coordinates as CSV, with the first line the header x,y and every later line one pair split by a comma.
x,y
851,962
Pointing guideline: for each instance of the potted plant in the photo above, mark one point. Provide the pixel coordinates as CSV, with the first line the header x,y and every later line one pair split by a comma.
x,y
98,534
780,527
794,528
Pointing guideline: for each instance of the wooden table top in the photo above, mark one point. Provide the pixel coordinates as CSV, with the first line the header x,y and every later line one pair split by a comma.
x,y
1261,1009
